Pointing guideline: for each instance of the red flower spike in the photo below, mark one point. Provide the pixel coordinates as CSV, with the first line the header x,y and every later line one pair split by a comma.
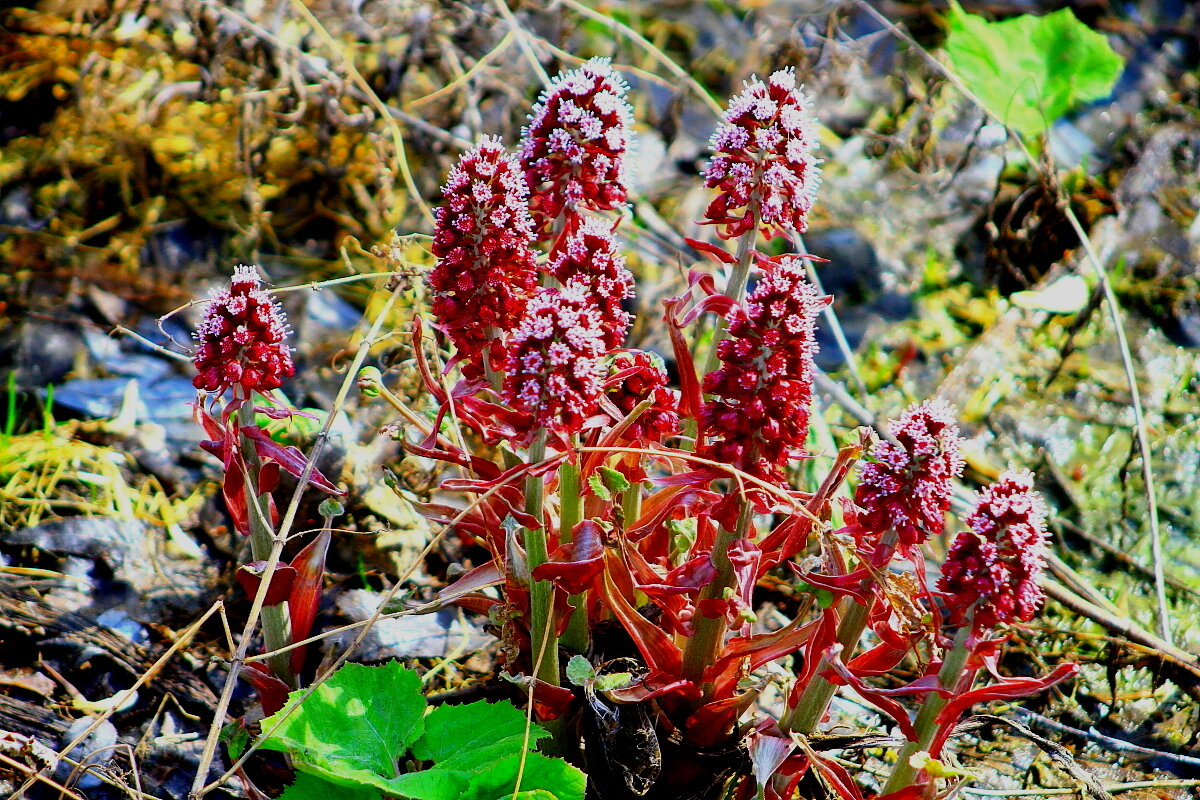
x,y
908,486
996,565
485,273
587,258
555,373
635,375
763,163
241,339
574,147
757,419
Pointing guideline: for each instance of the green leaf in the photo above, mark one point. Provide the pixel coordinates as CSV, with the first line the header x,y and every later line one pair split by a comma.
x,y
236,739
824,597
598,487
471,738
606,481
580,670
614,480
483,742
551,775
355,727
351,738
310,787
430,784
1028,71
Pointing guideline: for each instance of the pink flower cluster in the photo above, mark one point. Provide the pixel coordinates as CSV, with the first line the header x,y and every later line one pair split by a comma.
x,y
996,565
764,163
575,144
757,419
907,486
588,259
486,272
555,371
644,377
241,339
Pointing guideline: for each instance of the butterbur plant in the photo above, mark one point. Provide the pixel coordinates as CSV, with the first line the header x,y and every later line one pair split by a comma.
x,y
627,523
616,500
241,359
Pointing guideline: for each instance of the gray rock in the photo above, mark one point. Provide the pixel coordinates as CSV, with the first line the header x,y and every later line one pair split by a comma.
x,y
96,750
443,634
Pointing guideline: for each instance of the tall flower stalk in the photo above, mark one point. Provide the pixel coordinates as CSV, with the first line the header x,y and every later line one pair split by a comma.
x,y
903,495
756,418
573,155
762,159
242,352
990,578
485,272
574,148
765,171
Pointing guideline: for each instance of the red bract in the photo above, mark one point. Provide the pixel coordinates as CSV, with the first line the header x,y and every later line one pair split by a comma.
x,y
574,146
485,273
241,339
763,162
757,419
634,376
555,374
996,565
907,486
587,258
227,439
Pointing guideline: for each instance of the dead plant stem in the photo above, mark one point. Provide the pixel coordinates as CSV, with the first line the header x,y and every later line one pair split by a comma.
x,y
118,702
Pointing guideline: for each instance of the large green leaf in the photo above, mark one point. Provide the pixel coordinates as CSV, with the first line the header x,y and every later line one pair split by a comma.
x,y
352,736
470,738
1028,71
542,774
311,787
483,742
355,727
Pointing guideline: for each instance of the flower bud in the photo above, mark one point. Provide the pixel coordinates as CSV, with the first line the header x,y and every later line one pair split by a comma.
x,y
575,144
997,564
485,272
763,162
757,417
555,371
241,339
589,260
907,486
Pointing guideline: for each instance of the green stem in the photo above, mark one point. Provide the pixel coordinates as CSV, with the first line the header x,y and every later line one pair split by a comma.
x,y
542,630
810,708
493,377
925,724
276,622
705,643
570,512
631,504
814,700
